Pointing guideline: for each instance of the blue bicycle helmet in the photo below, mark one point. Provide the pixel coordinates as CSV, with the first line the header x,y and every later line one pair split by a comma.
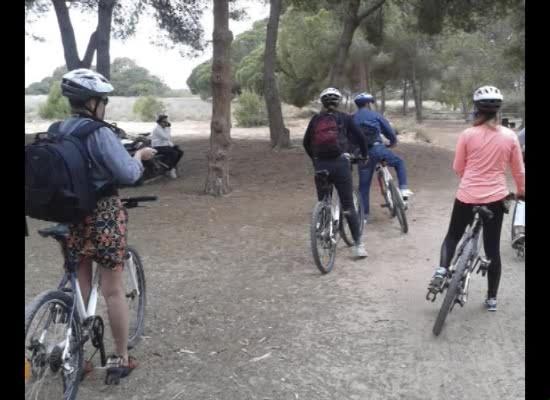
x,y
363,98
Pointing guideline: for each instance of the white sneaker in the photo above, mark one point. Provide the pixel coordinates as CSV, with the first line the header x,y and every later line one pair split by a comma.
x,y
172,173
359,251
405,193
491,304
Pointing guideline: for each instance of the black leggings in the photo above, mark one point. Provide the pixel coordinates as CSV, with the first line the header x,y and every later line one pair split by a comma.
x,y
461,217
340,174
171,155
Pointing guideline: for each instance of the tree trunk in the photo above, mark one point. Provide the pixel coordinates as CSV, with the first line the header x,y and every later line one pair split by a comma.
x,y
280,135
464,108
363,85
70,50
67,34
350,25
104,19
383,100
405,97
416,95
351,22
217,180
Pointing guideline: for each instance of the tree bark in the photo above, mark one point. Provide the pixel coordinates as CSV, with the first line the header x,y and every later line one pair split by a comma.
x,y
351,22
104,19
279,134
217,180
405,97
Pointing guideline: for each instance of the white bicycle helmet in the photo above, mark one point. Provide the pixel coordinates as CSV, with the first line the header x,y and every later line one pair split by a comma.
x,y
83,84
330,97
488,99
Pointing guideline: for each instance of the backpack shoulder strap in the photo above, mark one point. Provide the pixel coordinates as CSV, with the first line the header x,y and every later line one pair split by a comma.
x,y
84,130
54,128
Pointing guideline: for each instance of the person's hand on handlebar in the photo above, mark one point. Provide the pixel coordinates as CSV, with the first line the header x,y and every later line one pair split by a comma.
x,y
145,154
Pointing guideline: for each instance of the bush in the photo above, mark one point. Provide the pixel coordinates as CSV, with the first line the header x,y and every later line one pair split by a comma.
x,y
251,110
148,108
56,106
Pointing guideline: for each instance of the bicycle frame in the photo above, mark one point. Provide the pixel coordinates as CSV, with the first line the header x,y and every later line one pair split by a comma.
x,y
472,235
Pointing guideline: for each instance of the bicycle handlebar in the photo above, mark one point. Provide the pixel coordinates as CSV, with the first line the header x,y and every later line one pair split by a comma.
x,y
132,202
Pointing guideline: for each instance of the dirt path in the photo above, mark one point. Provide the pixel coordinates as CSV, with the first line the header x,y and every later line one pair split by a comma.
x,y
230,280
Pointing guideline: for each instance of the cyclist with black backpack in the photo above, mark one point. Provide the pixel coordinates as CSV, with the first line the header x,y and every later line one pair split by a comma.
x,y
82,190
327,141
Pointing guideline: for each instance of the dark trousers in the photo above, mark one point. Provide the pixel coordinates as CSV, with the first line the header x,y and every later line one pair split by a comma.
x,y
461,217
340,174
170,155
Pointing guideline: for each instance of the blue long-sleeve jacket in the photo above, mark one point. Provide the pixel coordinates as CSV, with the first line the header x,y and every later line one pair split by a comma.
x,y
111,162
372,124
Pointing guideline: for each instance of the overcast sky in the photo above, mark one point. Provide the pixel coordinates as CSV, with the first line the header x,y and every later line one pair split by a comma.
x,y
41,58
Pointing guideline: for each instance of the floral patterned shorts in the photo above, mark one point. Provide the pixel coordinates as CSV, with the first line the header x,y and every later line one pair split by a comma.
x,y
102,236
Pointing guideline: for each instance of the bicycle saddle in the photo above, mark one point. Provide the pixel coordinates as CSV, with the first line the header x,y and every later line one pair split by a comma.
x,y
484,212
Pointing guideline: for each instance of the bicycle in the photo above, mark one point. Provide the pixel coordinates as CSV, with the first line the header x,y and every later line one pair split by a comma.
x,y
62,358
326,223
394,201
518,244
465,261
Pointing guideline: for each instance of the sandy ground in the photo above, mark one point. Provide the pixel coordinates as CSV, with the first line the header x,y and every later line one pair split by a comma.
x,y
232,279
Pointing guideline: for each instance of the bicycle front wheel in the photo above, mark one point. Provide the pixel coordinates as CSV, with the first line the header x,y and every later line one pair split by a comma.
x,y
453,290
345,230
47,322
399,207
135,295
323,243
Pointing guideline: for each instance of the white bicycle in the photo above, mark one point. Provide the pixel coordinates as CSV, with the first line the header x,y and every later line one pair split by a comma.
x,y
58,324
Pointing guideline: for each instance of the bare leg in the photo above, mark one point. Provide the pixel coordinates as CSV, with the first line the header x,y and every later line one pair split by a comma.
x,y
117,309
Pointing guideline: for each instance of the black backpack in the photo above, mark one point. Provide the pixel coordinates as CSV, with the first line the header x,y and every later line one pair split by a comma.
x,y
57,175
328,138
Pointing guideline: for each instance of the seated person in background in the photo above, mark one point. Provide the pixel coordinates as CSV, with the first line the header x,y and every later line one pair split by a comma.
x,y
161,140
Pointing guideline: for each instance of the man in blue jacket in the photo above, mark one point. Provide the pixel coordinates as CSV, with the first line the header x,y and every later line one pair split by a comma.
x,y
372,125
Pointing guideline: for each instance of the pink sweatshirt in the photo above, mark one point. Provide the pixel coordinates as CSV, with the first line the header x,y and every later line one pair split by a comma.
x,y
482,156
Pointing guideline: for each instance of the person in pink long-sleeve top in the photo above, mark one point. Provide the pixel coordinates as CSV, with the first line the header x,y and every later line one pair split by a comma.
x,y
483,154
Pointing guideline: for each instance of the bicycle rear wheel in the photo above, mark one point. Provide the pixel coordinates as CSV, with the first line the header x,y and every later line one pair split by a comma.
x,y
135,295
345,230
323,244
386,193
452,290
399,207
47,375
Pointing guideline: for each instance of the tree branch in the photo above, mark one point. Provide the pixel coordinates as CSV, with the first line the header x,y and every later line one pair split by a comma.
x,y
90,50
370,10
